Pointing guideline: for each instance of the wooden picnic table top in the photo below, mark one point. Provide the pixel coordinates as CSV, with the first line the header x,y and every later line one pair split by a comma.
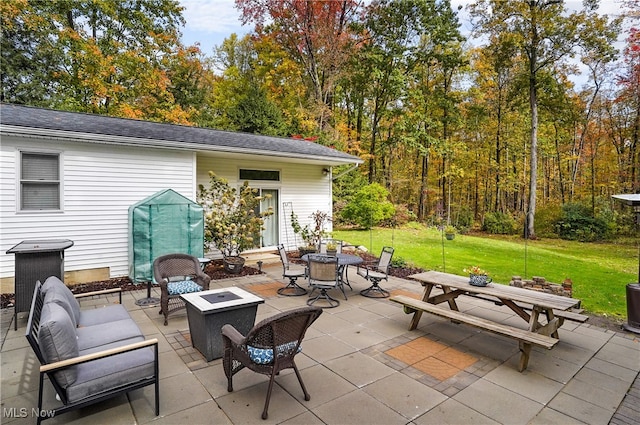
x,y
521,295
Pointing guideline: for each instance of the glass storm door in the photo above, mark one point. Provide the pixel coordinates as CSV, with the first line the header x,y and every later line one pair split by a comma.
x,y
269,235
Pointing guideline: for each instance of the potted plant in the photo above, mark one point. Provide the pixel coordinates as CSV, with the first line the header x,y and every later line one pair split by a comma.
x,y
305,234
332,247
231,223
311,234
478,276
450,232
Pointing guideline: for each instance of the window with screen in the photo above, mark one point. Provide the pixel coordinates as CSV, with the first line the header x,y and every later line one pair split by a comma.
x,y
39,181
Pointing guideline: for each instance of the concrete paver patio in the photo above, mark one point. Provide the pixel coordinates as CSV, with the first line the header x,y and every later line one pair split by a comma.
x,y
361,365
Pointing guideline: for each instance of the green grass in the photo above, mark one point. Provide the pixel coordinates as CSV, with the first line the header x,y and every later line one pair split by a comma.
x,y
599,271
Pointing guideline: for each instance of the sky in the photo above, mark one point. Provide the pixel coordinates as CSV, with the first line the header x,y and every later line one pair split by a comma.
x,y
209,22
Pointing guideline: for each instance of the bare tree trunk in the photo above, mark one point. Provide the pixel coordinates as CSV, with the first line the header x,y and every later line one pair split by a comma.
x,y
558,159
533,171
422,206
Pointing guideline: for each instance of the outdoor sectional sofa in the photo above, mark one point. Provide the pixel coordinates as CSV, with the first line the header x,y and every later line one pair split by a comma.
x,y
88,355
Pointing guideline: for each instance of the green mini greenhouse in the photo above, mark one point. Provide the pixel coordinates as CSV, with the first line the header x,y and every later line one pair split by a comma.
x,y
163,223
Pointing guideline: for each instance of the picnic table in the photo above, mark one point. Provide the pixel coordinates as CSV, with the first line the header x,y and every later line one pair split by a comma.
x,y
527,304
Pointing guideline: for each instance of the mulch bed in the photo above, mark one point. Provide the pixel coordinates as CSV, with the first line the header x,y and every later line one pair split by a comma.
x,y
214,269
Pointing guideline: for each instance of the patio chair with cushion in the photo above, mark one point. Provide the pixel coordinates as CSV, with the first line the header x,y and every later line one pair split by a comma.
x,y
291,272
269,347
324,273
178,274
375,273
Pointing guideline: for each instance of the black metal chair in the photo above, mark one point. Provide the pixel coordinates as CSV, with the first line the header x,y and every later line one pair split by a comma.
x,y
269,347
178,274
375,273
291,272
324,274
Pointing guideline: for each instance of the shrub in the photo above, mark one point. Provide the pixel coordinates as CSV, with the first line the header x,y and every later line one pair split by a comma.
x,y
398,262
578,223
402,216
230,219
464,220
369,206
311,233
546,218
499,223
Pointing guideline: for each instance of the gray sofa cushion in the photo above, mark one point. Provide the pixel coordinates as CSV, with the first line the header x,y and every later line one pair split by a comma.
x,y
99,315
106,333
111,345
58,292
106,374
57,340
57,296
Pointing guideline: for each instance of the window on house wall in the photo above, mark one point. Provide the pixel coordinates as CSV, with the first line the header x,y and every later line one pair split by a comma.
x,y
39,181
266,175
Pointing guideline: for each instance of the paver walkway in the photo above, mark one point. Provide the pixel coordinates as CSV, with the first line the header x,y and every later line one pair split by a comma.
x,y
361,365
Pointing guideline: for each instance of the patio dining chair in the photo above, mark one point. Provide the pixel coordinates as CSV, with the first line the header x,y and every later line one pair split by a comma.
x,y
375,273
177,274
269,347
324,273
291,272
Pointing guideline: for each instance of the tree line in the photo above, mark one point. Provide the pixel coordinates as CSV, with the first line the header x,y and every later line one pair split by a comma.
x,y
453,128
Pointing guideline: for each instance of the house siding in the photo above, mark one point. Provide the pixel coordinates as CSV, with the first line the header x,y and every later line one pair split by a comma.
x,y
100,182
304,185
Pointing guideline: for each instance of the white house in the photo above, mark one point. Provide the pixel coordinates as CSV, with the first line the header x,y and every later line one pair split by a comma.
x,y
68,175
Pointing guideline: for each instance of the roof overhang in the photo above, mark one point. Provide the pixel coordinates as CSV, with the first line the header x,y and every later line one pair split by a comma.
x,y
218,151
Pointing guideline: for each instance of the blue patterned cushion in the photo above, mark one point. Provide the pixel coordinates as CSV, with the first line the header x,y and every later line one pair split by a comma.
x,y
183,287
265,355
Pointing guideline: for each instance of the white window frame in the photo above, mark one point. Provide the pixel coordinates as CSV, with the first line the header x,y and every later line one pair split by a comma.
x,y
20,181
266,185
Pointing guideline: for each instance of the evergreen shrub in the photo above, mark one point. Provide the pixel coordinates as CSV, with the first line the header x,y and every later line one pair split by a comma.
x,y
499,223
577,223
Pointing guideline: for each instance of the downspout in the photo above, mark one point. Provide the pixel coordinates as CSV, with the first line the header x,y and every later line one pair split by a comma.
x,y
344,172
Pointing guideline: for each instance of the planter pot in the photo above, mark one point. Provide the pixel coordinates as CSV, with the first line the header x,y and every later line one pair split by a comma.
x,y
306,250
233,265
450,236
479,280
332,252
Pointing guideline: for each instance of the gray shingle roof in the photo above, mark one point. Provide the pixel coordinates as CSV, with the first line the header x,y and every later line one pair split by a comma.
x,y
121,130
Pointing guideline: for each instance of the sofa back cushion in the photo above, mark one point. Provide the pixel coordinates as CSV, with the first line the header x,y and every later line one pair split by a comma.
x,y
58,341
56,291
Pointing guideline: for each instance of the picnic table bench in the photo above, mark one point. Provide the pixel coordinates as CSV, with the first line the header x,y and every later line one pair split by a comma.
x,y
453,286
525,338
573,315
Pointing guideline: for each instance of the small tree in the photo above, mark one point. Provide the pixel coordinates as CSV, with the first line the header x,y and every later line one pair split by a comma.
x,y
311,235
369,206
232,221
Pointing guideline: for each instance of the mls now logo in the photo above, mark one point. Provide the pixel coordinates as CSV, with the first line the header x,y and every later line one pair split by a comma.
x,y
23,412
15,412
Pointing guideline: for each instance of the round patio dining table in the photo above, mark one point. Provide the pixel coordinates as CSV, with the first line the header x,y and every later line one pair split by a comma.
x,y
343,259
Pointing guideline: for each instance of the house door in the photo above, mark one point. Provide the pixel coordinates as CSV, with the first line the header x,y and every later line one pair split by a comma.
x,y
269,235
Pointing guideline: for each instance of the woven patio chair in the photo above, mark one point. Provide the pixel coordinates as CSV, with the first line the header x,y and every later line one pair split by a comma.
x,y
177,274
375,273
291,272
280,334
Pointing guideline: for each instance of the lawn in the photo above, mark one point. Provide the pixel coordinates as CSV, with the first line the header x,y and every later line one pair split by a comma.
x,y
599,271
